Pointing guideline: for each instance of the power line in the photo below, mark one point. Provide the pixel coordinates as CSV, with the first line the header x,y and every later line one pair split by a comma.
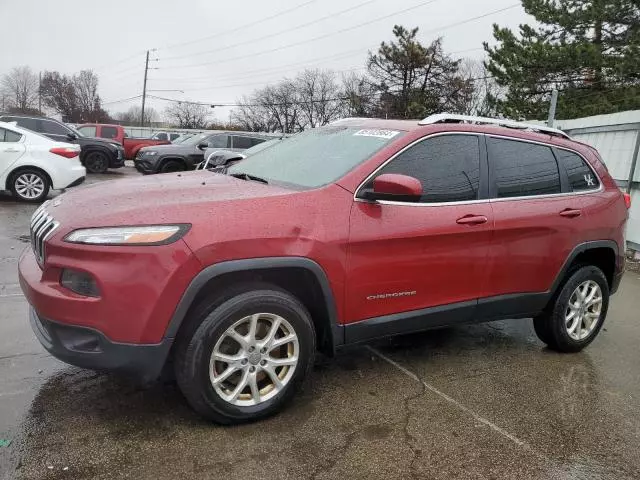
x,y
473,19
235,104
122,100
275,34
117,62
242,27
303,42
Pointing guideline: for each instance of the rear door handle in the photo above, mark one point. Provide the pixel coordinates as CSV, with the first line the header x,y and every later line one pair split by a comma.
x,y
472,220
11,150
570,213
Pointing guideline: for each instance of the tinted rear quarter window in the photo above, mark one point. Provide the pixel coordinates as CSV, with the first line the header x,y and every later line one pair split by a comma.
x,y
581,176
521,169
9,136
448,167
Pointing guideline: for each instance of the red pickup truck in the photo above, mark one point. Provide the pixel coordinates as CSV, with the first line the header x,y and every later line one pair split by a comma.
x,y
117,133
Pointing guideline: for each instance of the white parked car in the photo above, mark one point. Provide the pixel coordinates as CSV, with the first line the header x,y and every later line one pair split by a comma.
x,y
32,164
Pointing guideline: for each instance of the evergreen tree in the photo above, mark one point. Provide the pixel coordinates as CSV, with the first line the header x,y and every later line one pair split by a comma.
x,y
589,50
413,80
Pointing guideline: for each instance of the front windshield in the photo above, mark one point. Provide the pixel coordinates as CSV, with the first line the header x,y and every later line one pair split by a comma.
x,y
196,139
183,138
316,157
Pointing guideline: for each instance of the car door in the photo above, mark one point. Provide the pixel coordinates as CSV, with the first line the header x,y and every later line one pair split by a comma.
x,y
11,149
537,222
404,257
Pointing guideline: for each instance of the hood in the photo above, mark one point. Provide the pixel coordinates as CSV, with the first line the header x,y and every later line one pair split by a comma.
x,y
97,141
156,199
178,149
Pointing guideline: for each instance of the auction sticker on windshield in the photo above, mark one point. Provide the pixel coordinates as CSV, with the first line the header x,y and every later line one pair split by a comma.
x,y
376,133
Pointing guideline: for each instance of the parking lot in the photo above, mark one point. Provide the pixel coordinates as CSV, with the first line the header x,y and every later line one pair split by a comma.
x,y
484,401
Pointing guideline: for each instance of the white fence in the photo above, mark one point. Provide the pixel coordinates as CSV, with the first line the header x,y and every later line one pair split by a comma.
x,y
617,138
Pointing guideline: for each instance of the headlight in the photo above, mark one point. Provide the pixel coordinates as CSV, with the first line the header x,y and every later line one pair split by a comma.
x,y
150,154
142,235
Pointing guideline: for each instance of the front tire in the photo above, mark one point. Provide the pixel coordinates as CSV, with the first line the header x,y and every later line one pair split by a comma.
x,y
578,312
171,166
247,357
30,185
96,162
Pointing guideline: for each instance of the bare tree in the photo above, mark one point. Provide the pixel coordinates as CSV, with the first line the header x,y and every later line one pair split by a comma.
x,y
187,114
132,116
252,117
85,86
19,90
476,100
361,96
319,98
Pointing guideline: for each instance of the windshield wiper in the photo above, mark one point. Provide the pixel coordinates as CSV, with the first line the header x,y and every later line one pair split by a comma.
x,y
246,176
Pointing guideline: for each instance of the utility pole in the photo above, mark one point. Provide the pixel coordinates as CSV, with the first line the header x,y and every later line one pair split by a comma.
x,y
144,89
552,108
40,92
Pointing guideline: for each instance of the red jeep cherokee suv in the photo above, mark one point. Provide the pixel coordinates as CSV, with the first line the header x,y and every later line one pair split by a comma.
x,y
338,235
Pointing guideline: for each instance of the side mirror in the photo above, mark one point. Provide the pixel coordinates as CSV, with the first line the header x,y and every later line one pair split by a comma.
x,y
203,146
72,136
393,186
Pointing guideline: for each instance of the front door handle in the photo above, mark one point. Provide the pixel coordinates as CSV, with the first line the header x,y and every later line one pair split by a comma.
x,y
11,150
570,213
472,220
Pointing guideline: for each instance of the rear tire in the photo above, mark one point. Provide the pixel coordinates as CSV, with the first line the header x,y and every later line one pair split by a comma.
x,y
171,166
29,185
577,314
96,162
273,370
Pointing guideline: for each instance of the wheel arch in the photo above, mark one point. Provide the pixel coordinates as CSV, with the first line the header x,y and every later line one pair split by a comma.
x,y
601,253
20,168
172,158
301,276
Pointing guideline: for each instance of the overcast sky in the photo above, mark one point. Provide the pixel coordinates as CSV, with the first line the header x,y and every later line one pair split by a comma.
x,y
217,51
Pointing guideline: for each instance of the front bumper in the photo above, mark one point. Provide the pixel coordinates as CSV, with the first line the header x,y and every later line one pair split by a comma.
x,y
144,165
89,348
117,160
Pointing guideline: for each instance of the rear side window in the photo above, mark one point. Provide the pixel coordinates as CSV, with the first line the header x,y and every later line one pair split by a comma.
x,y
521,169
32,124
581,177
448,167
53,128
160,136
243,142
108,132
88,131
173,136
9,136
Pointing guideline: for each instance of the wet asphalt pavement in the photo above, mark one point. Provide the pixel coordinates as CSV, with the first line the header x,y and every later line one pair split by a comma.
x,y
485,401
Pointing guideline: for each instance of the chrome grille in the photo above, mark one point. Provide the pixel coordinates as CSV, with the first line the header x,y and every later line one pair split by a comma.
x,y
42,226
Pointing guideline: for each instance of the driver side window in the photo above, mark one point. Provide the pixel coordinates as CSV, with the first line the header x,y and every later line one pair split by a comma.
x,y
218,141
448,166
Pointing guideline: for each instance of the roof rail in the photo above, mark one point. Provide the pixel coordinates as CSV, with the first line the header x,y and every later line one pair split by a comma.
x,y
453,118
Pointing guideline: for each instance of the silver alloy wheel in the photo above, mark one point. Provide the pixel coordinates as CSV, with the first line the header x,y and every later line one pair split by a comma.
x,y
584,310
29,185
254,359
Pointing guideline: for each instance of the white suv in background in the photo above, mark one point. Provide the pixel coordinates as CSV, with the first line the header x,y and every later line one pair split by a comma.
x,y
32,164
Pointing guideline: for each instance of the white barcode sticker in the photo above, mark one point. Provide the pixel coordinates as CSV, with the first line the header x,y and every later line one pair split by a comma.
x,y
376,133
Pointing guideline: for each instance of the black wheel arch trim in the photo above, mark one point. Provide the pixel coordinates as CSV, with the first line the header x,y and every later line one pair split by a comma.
x,y
581,248
336,331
